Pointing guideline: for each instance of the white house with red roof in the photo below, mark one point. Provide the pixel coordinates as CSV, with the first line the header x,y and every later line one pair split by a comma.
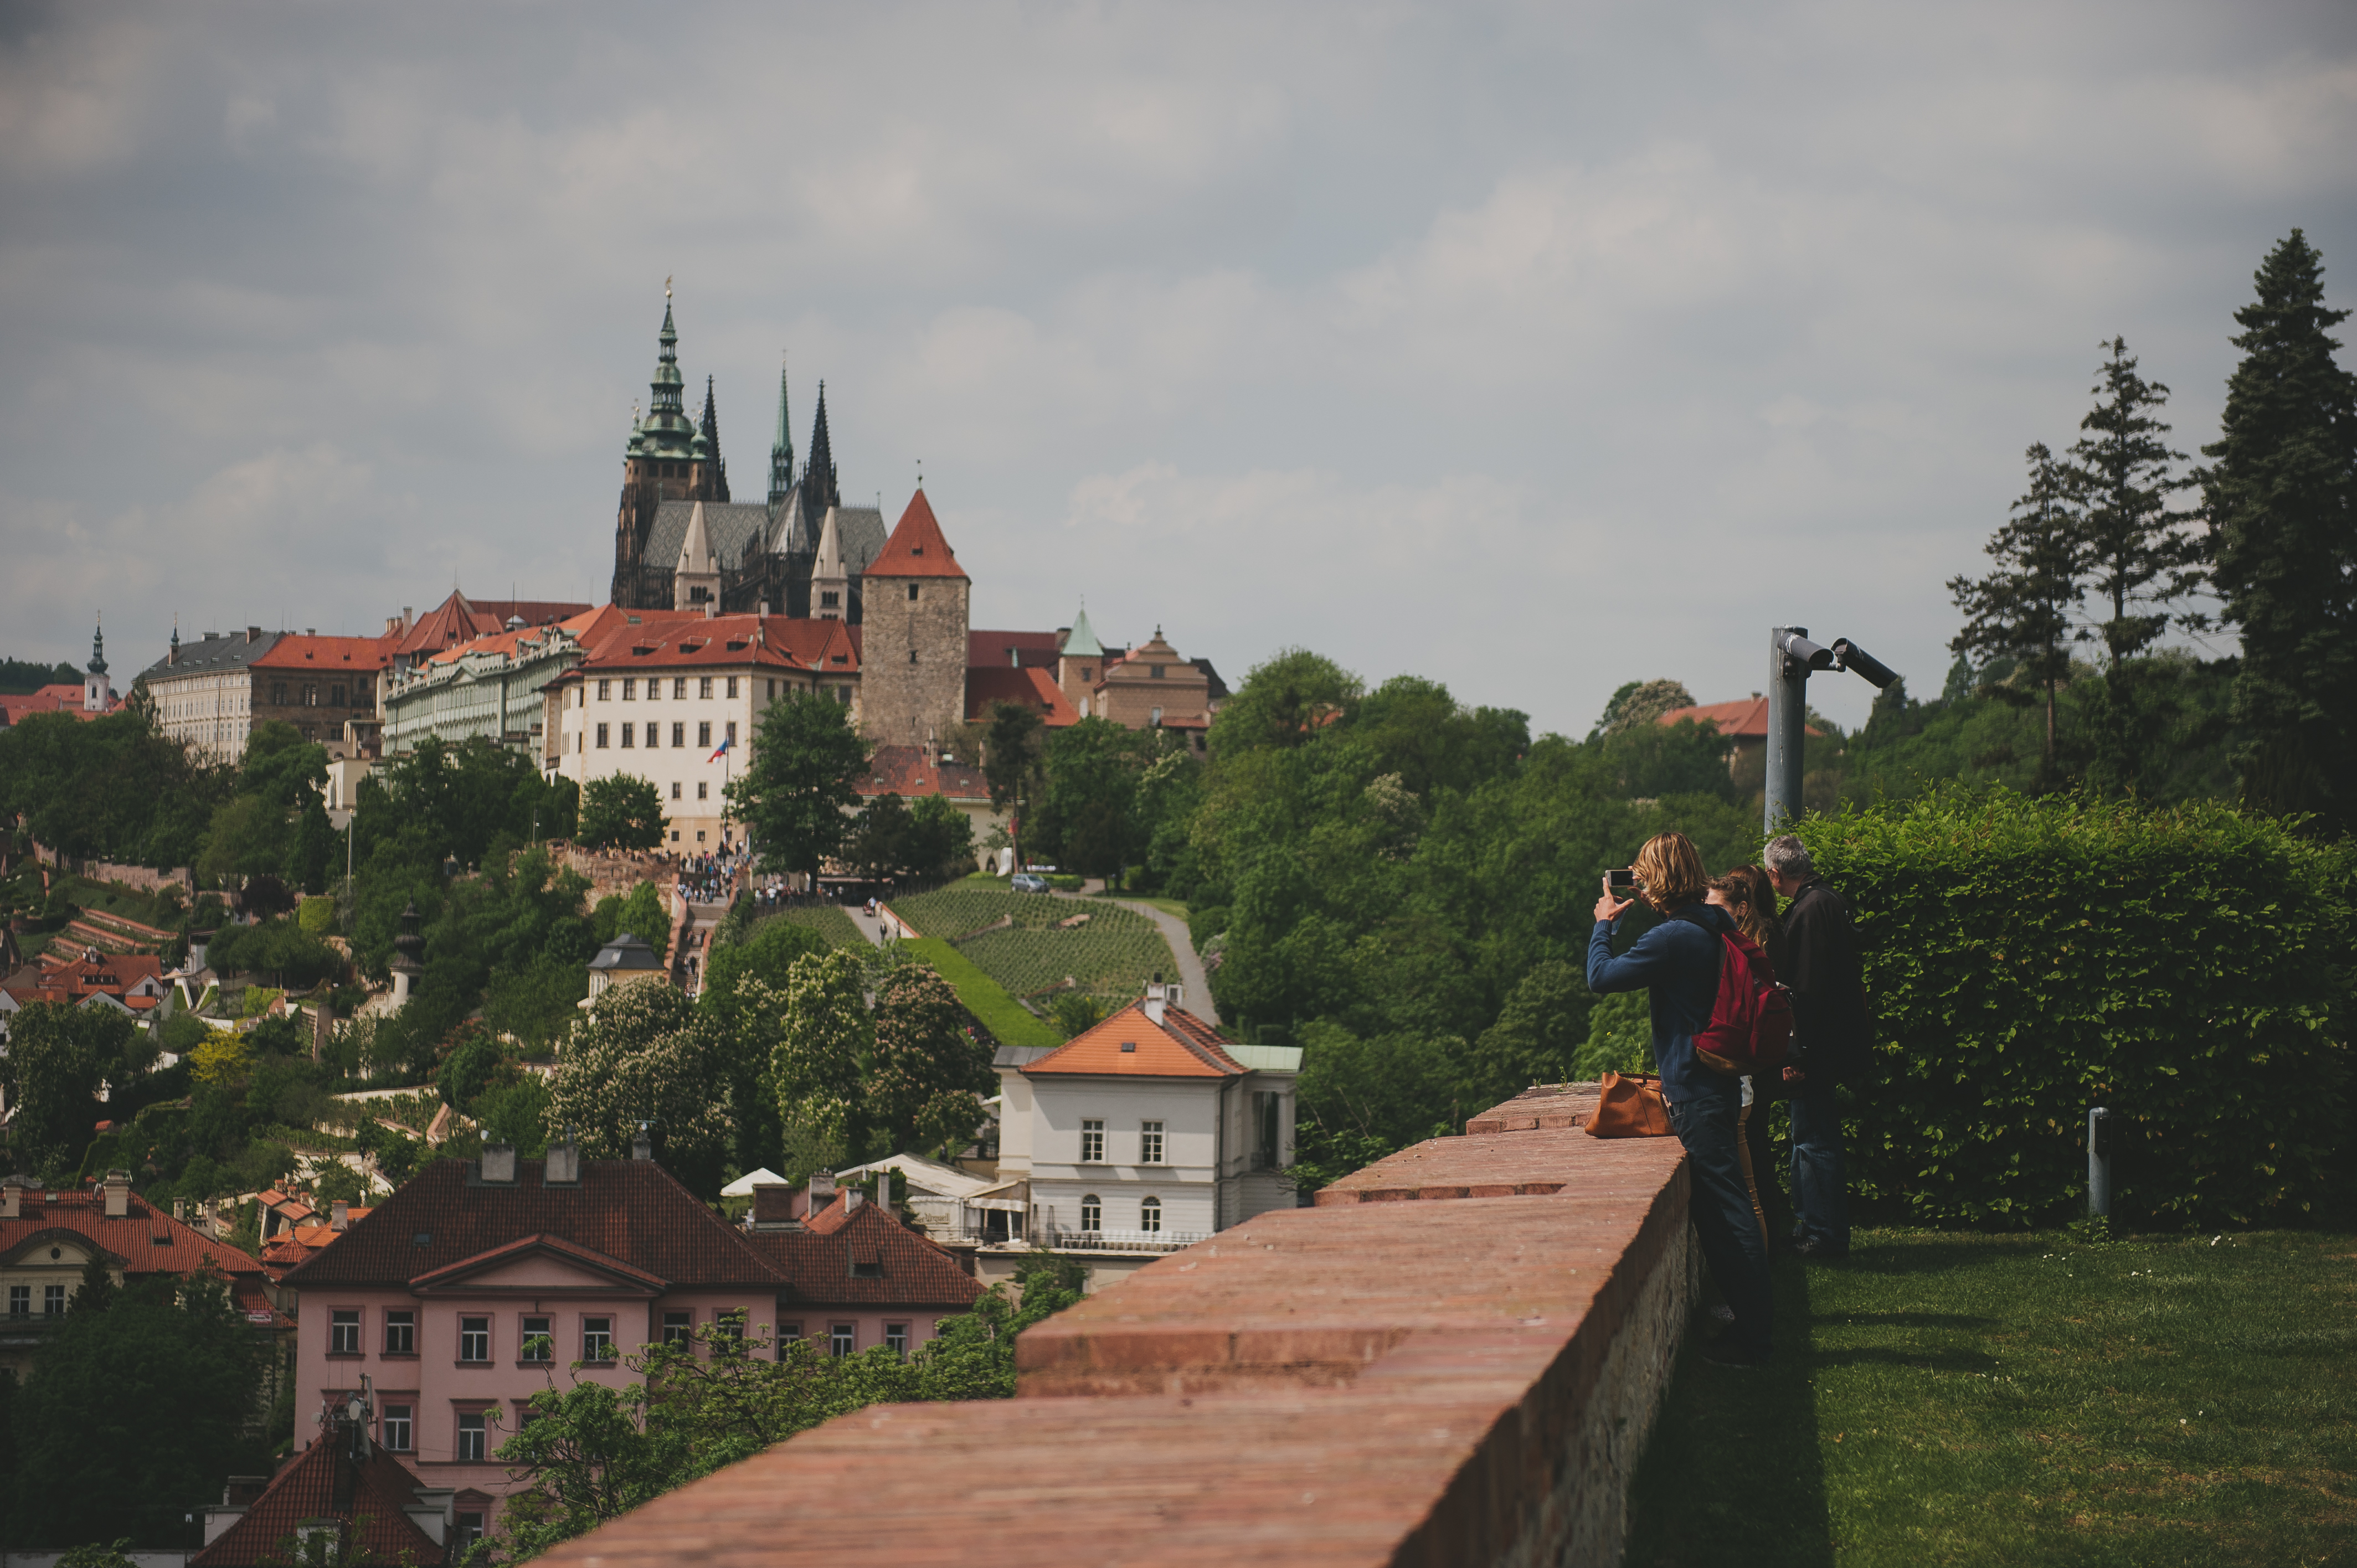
x,y
1143,1134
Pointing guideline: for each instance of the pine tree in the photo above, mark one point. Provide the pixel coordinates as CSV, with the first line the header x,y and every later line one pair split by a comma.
x,y
2281,497
2140,558
2023,610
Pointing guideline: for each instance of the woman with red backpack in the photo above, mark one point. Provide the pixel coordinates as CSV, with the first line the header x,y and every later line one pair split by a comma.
x,y
1678,964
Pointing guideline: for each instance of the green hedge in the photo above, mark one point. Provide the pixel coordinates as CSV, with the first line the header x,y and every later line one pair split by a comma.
x,y
985,997
2028,959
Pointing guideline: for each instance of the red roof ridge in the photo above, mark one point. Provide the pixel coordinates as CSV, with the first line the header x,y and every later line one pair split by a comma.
x,y
538,1241
917,548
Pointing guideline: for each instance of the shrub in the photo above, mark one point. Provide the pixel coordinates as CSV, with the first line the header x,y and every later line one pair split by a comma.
x,y
2027,958
317,916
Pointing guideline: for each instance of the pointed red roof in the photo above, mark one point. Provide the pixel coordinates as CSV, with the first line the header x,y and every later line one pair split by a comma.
x,y
375,1495
1742,720
916,548
1130,1044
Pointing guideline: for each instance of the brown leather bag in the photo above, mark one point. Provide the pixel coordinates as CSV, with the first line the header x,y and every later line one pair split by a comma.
x,y
1630,1105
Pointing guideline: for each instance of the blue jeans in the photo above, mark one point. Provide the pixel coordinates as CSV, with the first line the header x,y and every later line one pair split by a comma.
x,y
1723,1222
1820,1181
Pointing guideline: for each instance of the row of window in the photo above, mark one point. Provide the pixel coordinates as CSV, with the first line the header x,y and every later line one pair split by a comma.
x,y
20,1301
311,696
1092,1143
535,1333
678,734
1149,1214
678,688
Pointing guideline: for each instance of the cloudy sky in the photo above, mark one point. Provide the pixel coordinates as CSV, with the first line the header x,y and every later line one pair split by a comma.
x,y
1533,349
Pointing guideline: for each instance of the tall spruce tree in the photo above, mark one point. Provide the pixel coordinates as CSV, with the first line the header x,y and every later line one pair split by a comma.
x,y
2024,609
2139,557
2281,496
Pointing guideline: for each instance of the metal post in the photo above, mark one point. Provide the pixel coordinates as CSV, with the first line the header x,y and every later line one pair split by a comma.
x,y
1788,716
2099,1163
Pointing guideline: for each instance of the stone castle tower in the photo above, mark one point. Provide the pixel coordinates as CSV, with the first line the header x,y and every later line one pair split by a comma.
x,y
667,458
913,650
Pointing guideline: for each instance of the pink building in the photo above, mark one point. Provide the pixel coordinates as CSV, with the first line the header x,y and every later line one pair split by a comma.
x,y
478,1284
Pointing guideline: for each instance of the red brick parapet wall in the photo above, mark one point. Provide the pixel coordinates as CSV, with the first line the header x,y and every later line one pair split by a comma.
x,y
1454,1358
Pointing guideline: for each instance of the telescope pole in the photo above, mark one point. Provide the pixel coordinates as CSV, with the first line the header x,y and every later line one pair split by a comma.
x,y
1788,716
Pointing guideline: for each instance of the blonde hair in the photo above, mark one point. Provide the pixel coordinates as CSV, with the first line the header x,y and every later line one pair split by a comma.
x,y
1669,870
1754,897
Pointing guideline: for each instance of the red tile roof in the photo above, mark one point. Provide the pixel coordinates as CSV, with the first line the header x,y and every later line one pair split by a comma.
x,y
58,698
145,1240
113,973
902,770
632,1212
458,619
816,1261
1743,720
458,1273
676,641
307,652
1131,1044
987,685
1030,649
504,643
380,1489
916,548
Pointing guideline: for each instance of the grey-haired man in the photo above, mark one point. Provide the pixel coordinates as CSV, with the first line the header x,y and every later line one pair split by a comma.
x,y
1829,1042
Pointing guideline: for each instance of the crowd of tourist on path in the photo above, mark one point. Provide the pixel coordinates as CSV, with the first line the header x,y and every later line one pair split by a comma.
x,y
710,877
1739,1214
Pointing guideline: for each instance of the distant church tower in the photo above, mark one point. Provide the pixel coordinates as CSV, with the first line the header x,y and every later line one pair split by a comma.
x,y
782,449
667,458
96,691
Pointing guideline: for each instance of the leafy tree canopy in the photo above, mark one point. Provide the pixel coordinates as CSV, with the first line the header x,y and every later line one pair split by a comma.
x,y
791,798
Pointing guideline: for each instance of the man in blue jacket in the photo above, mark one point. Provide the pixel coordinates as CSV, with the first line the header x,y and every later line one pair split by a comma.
x,y
1677,963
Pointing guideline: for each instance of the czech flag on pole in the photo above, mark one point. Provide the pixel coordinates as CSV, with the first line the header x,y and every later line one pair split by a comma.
x,y
718,750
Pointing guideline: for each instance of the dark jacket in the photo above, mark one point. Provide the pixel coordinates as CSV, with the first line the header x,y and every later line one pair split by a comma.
x,y
1821,967
1677,963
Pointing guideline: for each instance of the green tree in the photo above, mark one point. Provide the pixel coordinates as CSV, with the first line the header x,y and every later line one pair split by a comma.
x,y
1535,1038
1014,755
822,1049
2023,610
1086,820
57,1058
924,1089
1283,702
620,811
644,913
744,990
806,759
133,1411
1640,703
646,1057
879,837
2281,493
941,838
2138,555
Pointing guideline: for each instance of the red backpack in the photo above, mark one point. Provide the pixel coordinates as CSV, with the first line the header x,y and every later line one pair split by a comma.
x,y
1751,1022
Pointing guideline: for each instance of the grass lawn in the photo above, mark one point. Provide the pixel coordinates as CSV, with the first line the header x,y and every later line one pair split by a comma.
x,y
2025,1400
828,922
985,997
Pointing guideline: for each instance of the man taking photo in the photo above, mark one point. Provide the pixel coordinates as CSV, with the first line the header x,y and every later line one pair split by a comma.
x,y
1829,1042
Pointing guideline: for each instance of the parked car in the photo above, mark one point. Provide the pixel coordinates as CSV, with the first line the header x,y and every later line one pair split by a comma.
x,y
1027,882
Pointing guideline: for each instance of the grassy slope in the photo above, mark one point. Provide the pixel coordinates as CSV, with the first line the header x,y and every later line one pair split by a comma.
x,y
827,920
2022,1400
1112,957
985,997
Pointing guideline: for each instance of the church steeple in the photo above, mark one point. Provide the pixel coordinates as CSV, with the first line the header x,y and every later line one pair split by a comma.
x,y
96,691
781,447
666,431
710,432
818,479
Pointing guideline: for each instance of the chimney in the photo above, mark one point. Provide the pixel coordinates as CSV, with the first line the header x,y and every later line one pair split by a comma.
x,y
340,1215
884,1189
117,1189
252,634
772,1204
822,1191
1157,999
642,1148
499,1163
764,610
12,1197
564,1165
852,1198
1013,660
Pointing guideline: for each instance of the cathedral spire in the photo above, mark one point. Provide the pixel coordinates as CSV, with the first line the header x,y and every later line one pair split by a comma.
x,y
818,479
710,432
666,431
782,447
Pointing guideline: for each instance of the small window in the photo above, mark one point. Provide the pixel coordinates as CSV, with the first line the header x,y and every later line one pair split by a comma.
x,y
398,1431
335,696
827,600
1149,1215
474,1339
773,691
629,688
20,1301
626,736
677,1327
1091,1143
1153,672
470,1527
601,738
537,1345
1092,1213
675,788
732,731
843,696
597,1338
605,691
703,788
470,1438
912,593
1150,1143
868,1266
344,1331
704,686
679,689
401,1334
732,685
787,1334
896,1340
912,656
704,733
842,1339
678,734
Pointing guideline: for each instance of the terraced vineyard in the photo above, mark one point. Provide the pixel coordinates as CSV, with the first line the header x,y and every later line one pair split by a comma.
x,y
828,922
1111,956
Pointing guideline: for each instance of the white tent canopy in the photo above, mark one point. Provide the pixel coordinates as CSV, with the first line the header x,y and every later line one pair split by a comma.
x,y
744,1185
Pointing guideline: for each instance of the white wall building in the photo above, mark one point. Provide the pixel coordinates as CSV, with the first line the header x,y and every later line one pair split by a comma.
x,y
1146,1134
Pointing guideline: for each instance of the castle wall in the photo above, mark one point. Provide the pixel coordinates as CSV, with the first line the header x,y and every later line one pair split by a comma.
x,y
912,659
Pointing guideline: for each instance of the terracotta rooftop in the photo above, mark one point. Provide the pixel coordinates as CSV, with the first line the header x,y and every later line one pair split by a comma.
x,y
902,770
1008,649
459,620
675,642
988,685
15,707
378,1488
1131,1044
916,548
142,1240
817,1261
632,1212
303,652
1744,720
